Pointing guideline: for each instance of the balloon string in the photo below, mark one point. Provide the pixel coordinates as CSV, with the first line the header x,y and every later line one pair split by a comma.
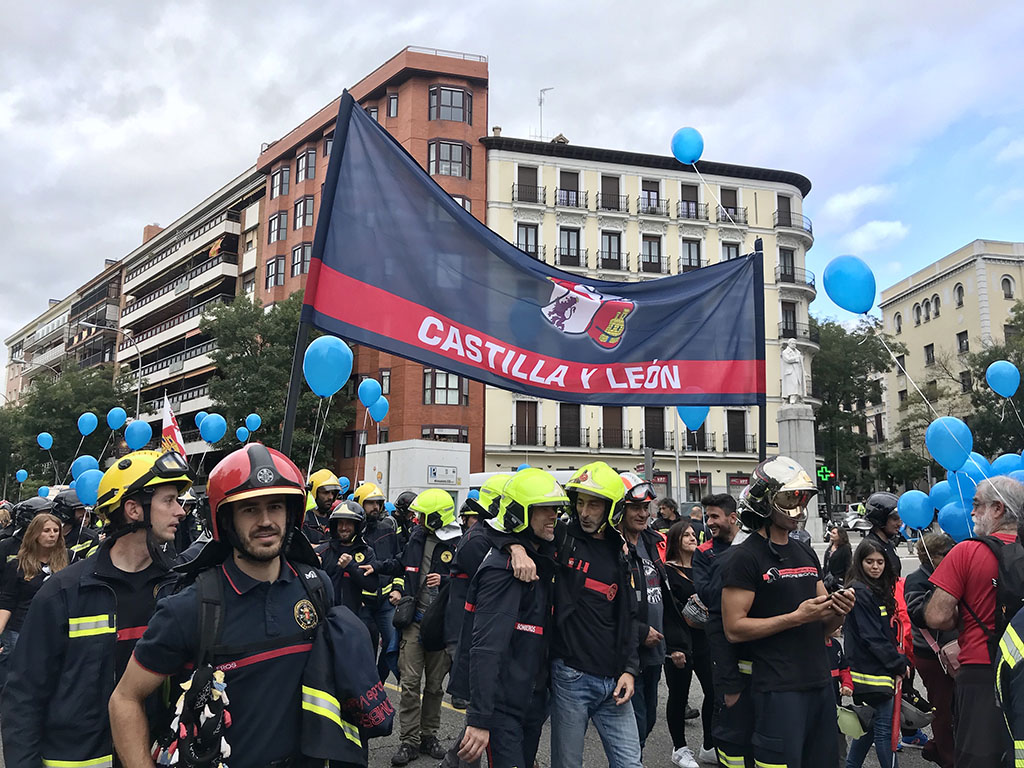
x,y
710,192
361,459
319,439
77,450
53,463
316,420
1015,411
105,445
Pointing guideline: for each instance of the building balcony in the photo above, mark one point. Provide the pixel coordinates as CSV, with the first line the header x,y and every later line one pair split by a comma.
x,y
186,241
225,265
795,222
736,442
796,279
613,261
96,358
694,441
731,217
613,203
619,439
524,193
802,332
692,211
653,265
49,356
659,441
182,401
572,438
571,258
651,206
570,198
179,325
523,435
687,264
46,336
181,363
532,250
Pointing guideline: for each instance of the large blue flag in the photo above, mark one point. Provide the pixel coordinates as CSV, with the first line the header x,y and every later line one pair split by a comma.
x,y
399,265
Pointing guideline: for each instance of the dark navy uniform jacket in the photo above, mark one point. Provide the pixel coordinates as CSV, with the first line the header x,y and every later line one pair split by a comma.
x,y
351,586
472,549
382,535
731,673
267,627
412,558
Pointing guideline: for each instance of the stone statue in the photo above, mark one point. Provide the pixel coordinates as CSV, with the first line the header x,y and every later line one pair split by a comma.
x,y
792,373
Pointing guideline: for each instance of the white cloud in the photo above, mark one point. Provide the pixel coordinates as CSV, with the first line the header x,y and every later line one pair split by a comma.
x,y
843,207
1012,151
874,236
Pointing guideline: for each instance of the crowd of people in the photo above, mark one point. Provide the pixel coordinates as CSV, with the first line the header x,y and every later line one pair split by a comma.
x,y
256,625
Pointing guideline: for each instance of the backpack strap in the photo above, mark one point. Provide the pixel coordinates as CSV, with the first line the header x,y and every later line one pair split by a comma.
x,y
210,591
314,585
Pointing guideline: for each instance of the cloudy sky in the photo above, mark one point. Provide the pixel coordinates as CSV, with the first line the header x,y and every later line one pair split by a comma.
x,y
908,117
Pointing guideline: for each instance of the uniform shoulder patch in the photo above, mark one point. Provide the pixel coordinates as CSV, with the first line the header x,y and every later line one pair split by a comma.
x,y
446,556
359,557
305,614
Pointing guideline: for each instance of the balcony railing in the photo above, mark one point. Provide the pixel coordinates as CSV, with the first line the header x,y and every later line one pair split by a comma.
x,y
729,215
689,265
698,442
659,441
570,257
690,210
615,438
740,443
226,258
651,206
534,251
654,265
792,221
196,233
800,332
572,438
97,358
570,198
177,319
178,398
188,354
613,203
523,435
794,275
525,193
613,260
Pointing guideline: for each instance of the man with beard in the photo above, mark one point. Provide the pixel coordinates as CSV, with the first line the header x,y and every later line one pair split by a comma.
x,y
382,535
404,518
324,489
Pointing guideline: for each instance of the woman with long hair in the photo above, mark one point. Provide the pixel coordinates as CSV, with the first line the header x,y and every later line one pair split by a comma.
x,y
688,652
872,649
42,553
837,558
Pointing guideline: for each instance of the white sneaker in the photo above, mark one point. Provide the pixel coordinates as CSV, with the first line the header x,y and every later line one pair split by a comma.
x,y
708,756
683,758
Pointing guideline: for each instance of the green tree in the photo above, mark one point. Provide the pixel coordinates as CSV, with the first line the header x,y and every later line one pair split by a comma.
x,y
254,359
996,427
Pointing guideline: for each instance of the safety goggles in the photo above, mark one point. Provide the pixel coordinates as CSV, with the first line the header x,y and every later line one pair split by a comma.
x,y
170,466
641,492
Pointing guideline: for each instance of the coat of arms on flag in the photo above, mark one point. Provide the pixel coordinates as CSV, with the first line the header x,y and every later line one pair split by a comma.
x,y
575,308
170,439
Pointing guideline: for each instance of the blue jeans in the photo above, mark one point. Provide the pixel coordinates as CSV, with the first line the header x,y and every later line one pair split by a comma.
x,y
645,701
577,698
381,617
880,733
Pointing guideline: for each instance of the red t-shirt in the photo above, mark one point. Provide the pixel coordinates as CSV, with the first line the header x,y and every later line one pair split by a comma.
x,y
968,573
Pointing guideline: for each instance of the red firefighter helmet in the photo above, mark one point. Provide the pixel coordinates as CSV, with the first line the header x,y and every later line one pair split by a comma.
x,y
249,472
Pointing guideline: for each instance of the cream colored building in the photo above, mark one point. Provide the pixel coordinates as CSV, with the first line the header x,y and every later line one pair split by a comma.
x,y
611,215
956,305
37,349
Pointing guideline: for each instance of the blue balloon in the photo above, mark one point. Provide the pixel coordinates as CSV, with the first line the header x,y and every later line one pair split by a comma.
x,y
1018,475
213,428
1007,463
44,491
379,409
962,487
21,475
389,507
522,467
369,392
242,434
45,440
915,508
116,417
87,423
88,486
940,495
474,494
83,464
955,520
345,484
1003,378
687,145
327,364
977,467
949,441
199,419
72,484
350,497
137,434
692,415
850,283
253,422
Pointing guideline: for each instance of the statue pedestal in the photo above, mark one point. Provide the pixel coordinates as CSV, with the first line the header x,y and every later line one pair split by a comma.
x,y
796,440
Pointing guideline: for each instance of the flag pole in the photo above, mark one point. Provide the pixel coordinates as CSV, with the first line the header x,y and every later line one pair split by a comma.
x,y
762,398
294,388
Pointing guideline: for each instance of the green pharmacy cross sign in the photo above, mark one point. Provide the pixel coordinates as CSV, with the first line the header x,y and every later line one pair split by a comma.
x,y
825,474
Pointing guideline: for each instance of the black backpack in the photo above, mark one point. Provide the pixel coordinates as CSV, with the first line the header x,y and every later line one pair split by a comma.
x,y
1009,584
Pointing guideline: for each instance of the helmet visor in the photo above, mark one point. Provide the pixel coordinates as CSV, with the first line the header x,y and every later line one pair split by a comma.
x,y
170,465
641,492
791,500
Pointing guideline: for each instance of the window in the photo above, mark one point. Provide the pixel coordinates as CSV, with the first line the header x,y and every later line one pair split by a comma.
x,y
689,256
451,104
897,321
526,238
901,364
905,440
610,199
464,201
688,196
373,113
569,248
612,435
730,251
879,433
650,196
735,431
935,305
931,389
392,105
958,295
569,431
650,254
383,435
445,434
654,428
304,212
902,396
526,430
305,166
250,240
328,145
527,190
929,354
249,284
785,216
1010,334
728,198
787,264
1007,285
966,382
448,158
917,314
275,272
443,388
611,250
788,320
354,444
279,182
385,381
568,193
300,259
927,307
963,344
277,229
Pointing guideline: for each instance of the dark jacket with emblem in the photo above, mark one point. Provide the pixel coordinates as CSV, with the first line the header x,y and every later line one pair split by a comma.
x,y
315,527
472,549
382,536
351,586
412,559
654,542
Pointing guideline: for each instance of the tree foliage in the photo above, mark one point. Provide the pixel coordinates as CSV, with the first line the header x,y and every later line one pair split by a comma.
x,y
254,359
996,427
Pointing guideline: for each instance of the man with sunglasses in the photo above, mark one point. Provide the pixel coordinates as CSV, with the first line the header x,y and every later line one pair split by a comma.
x,y
82,627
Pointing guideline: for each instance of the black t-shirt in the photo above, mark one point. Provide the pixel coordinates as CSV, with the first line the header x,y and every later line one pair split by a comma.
x,y
16,594
794,659
586,639
135,596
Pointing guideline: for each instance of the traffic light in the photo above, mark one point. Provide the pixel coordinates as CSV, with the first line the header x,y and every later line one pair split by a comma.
x,y
837,487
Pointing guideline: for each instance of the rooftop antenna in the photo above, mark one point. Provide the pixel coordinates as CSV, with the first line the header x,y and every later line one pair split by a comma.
x,y
540,104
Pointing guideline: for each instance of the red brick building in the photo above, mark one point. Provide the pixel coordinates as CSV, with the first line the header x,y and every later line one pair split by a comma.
x,y
435,104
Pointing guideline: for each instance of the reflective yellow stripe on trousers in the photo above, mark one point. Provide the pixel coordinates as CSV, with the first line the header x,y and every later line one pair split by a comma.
x,y
1018,754
730,761
762,764
107,761
323,704
84,626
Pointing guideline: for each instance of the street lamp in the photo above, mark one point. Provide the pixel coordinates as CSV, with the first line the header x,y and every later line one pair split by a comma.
x,y
19,361
138,352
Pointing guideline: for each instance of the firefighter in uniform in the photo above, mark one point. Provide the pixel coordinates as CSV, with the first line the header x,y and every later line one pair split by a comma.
x,y
324,490
81,540
350,562
85,620
382,534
